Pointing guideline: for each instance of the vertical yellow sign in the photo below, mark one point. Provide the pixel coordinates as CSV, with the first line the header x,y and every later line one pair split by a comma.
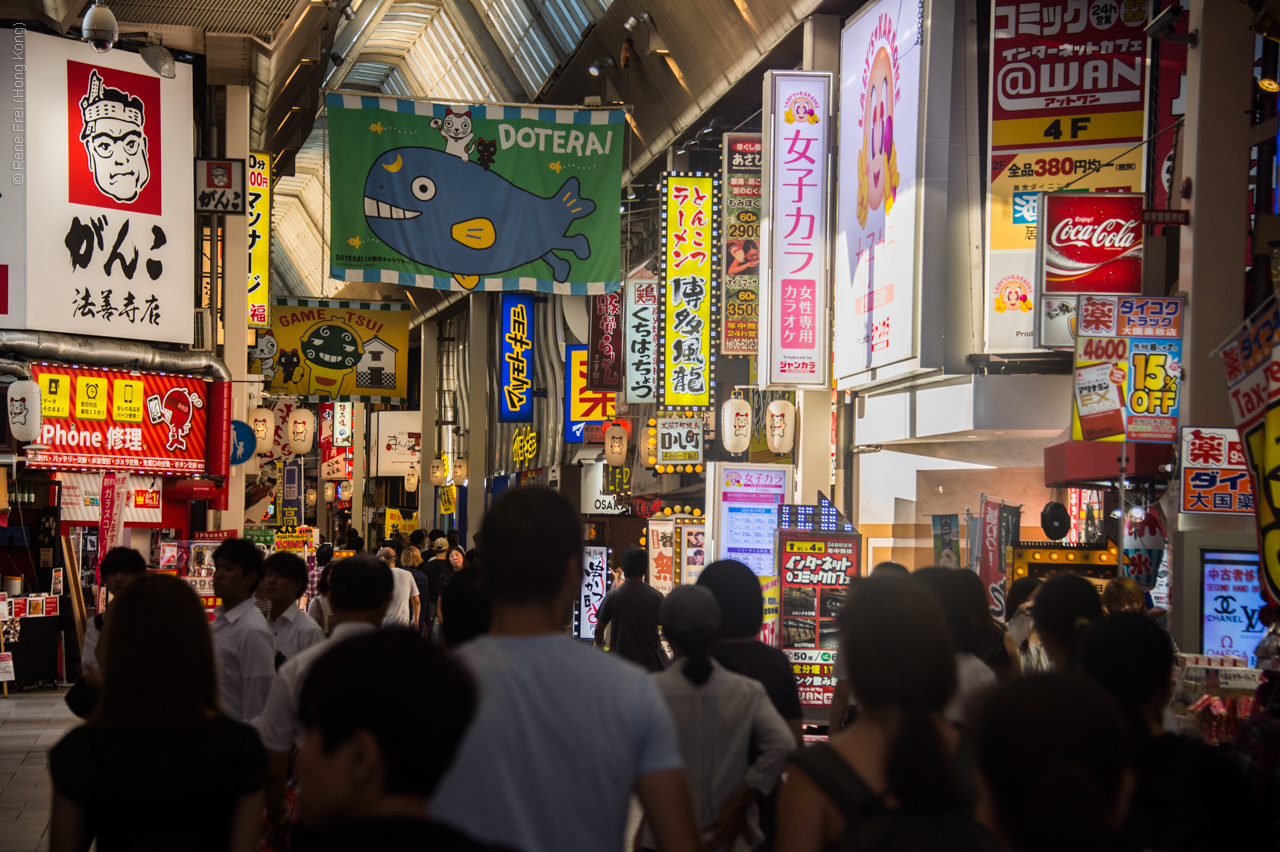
x,y
258,180
691,253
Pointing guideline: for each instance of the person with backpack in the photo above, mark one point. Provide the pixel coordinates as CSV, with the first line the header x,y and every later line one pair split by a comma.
x,y
887,781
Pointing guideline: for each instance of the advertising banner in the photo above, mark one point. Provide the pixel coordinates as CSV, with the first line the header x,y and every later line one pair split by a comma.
x,y
111,500
1086,243
292,490
771,592
119,420
99,211
795,291
946,541
662,550
680,440
1215,473
1068,85
1250,362
581,406
81,499
398,436
816,571
343,435
880,88
594,498
595,581
690,264
405,521
476,197
336,351
691,550
516,398
740,179
1128,369
604,347
745,513
259,213
642,340
1232,604
991,566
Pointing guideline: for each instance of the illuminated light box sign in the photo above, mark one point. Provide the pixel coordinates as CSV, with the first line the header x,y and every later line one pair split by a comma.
x,y
1215,473
596,580
680,440
795,279
118,420
583,408
744,511
742,186
642,352
1232,603
258,195
1128,369
1086,243
516,394
604,364
689,297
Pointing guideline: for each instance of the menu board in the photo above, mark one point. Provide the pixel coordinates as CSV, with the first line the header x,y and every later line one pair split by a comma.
x,y
1232,604
817,571
745,513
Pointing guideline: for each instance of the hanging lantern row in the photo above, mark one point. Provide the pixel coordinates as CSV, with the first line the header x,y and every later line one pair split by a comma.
x,y
329,492
780,433
735,424
460,470
302,431
263,423
439,471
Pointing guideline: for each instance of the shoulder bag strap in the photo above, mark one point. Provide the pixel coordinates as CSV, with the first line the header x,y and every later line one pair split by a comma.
x,y
842,786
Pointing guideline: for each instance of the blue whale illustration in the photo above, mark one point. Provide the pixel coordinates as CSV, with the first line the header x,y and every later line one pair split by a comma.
x,y
458,217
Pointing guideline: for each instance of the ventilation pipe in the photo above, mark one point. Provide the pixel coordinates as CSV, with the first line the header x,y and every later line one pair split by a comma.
x,y
66,348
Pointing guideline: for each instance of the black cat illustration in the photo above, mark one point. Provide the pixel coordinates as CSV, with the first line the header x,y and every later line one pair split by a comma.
x,y
486,150
290,363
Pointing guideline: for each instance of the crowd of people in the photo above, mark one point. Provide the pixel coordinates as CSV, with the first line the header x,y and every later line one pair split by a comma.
x,y
439,703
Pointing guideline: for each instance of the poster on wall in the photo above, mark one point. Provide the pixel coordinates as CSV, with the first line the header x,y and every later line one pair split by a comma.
x,y
515,397
1128,369
329,350
741,182
99,210
399,443
795,286
604,347
662,552
690,291
595,582
1068,85
120,420
583,407
485,197
81,498
642,340
880,87
258,193
1215,473
691,550
816,571
1086,243
744,511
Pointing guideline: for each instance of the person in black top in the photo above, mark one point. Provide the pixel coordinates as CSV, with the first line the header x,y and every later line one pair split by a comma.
x,y
465,612
632,608
738,648
1184,787
158,766
435,568
372,756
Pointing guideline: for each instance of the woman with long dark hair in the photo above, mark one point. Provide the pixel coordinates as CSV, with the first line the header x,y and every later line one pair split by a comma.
x,y
890,773
719,716
1064,608
158,766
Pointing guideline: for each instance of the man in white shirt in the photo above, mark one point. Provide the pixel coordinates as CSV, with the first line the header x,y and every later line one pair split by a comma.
x,y
405,604
242,642
285,580
118,568
546,764
359,592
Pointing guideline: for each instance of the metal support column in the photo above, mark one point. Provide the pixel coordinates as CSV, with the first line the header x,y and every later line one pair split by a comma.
x,y
478,412
235,298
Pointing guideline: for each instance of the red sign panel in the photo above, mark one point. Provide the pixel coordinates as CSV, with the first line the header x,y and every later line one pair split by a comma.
x,y
1215,473
117,420
816,572
1092,243
604,354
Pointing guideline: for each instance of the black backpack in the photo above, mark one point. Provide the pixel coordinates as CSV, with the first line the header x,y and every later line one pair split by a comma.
x,y
872,827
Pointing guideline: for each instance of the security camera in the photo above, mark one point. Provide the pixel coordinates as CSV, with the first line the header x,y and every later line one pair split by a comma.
x,y
99,27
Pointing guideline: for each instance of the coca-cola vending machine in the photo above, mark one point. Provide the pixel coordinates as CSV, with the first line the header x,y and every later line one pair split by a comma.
x,y
1086,242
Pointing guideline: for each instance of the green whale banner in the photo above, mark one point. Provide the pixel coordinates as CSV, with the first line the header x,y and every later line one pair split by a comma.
x,y
478,197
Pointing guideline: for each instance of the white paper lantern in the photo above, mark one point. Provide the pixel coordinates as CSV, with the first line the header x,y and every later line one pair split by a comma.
x,y
329,492
439,472
615,445
735,425
345,490
311,498
460,470
263,423
24,410
411,479
302,431
780,426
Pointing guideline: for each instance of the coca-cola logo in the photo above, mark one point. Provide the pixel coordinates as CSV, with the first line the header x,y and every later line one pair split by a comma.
x,y
1112,233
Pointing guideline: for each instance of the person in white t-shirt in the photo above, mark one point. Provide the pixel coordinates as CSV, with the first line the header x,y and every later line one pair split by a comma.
x,y
243,644
548,765
286,580
405,603
360,590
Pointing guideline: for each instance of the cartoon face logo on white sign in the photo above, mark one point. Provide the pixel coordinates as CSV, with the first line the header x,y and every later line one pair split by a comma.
x,y
114,137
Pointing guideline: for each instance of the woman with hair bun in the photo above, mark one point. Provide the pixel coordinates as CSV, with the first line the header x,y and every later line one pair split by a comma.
x,y
1054,773
887,780
1064,607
